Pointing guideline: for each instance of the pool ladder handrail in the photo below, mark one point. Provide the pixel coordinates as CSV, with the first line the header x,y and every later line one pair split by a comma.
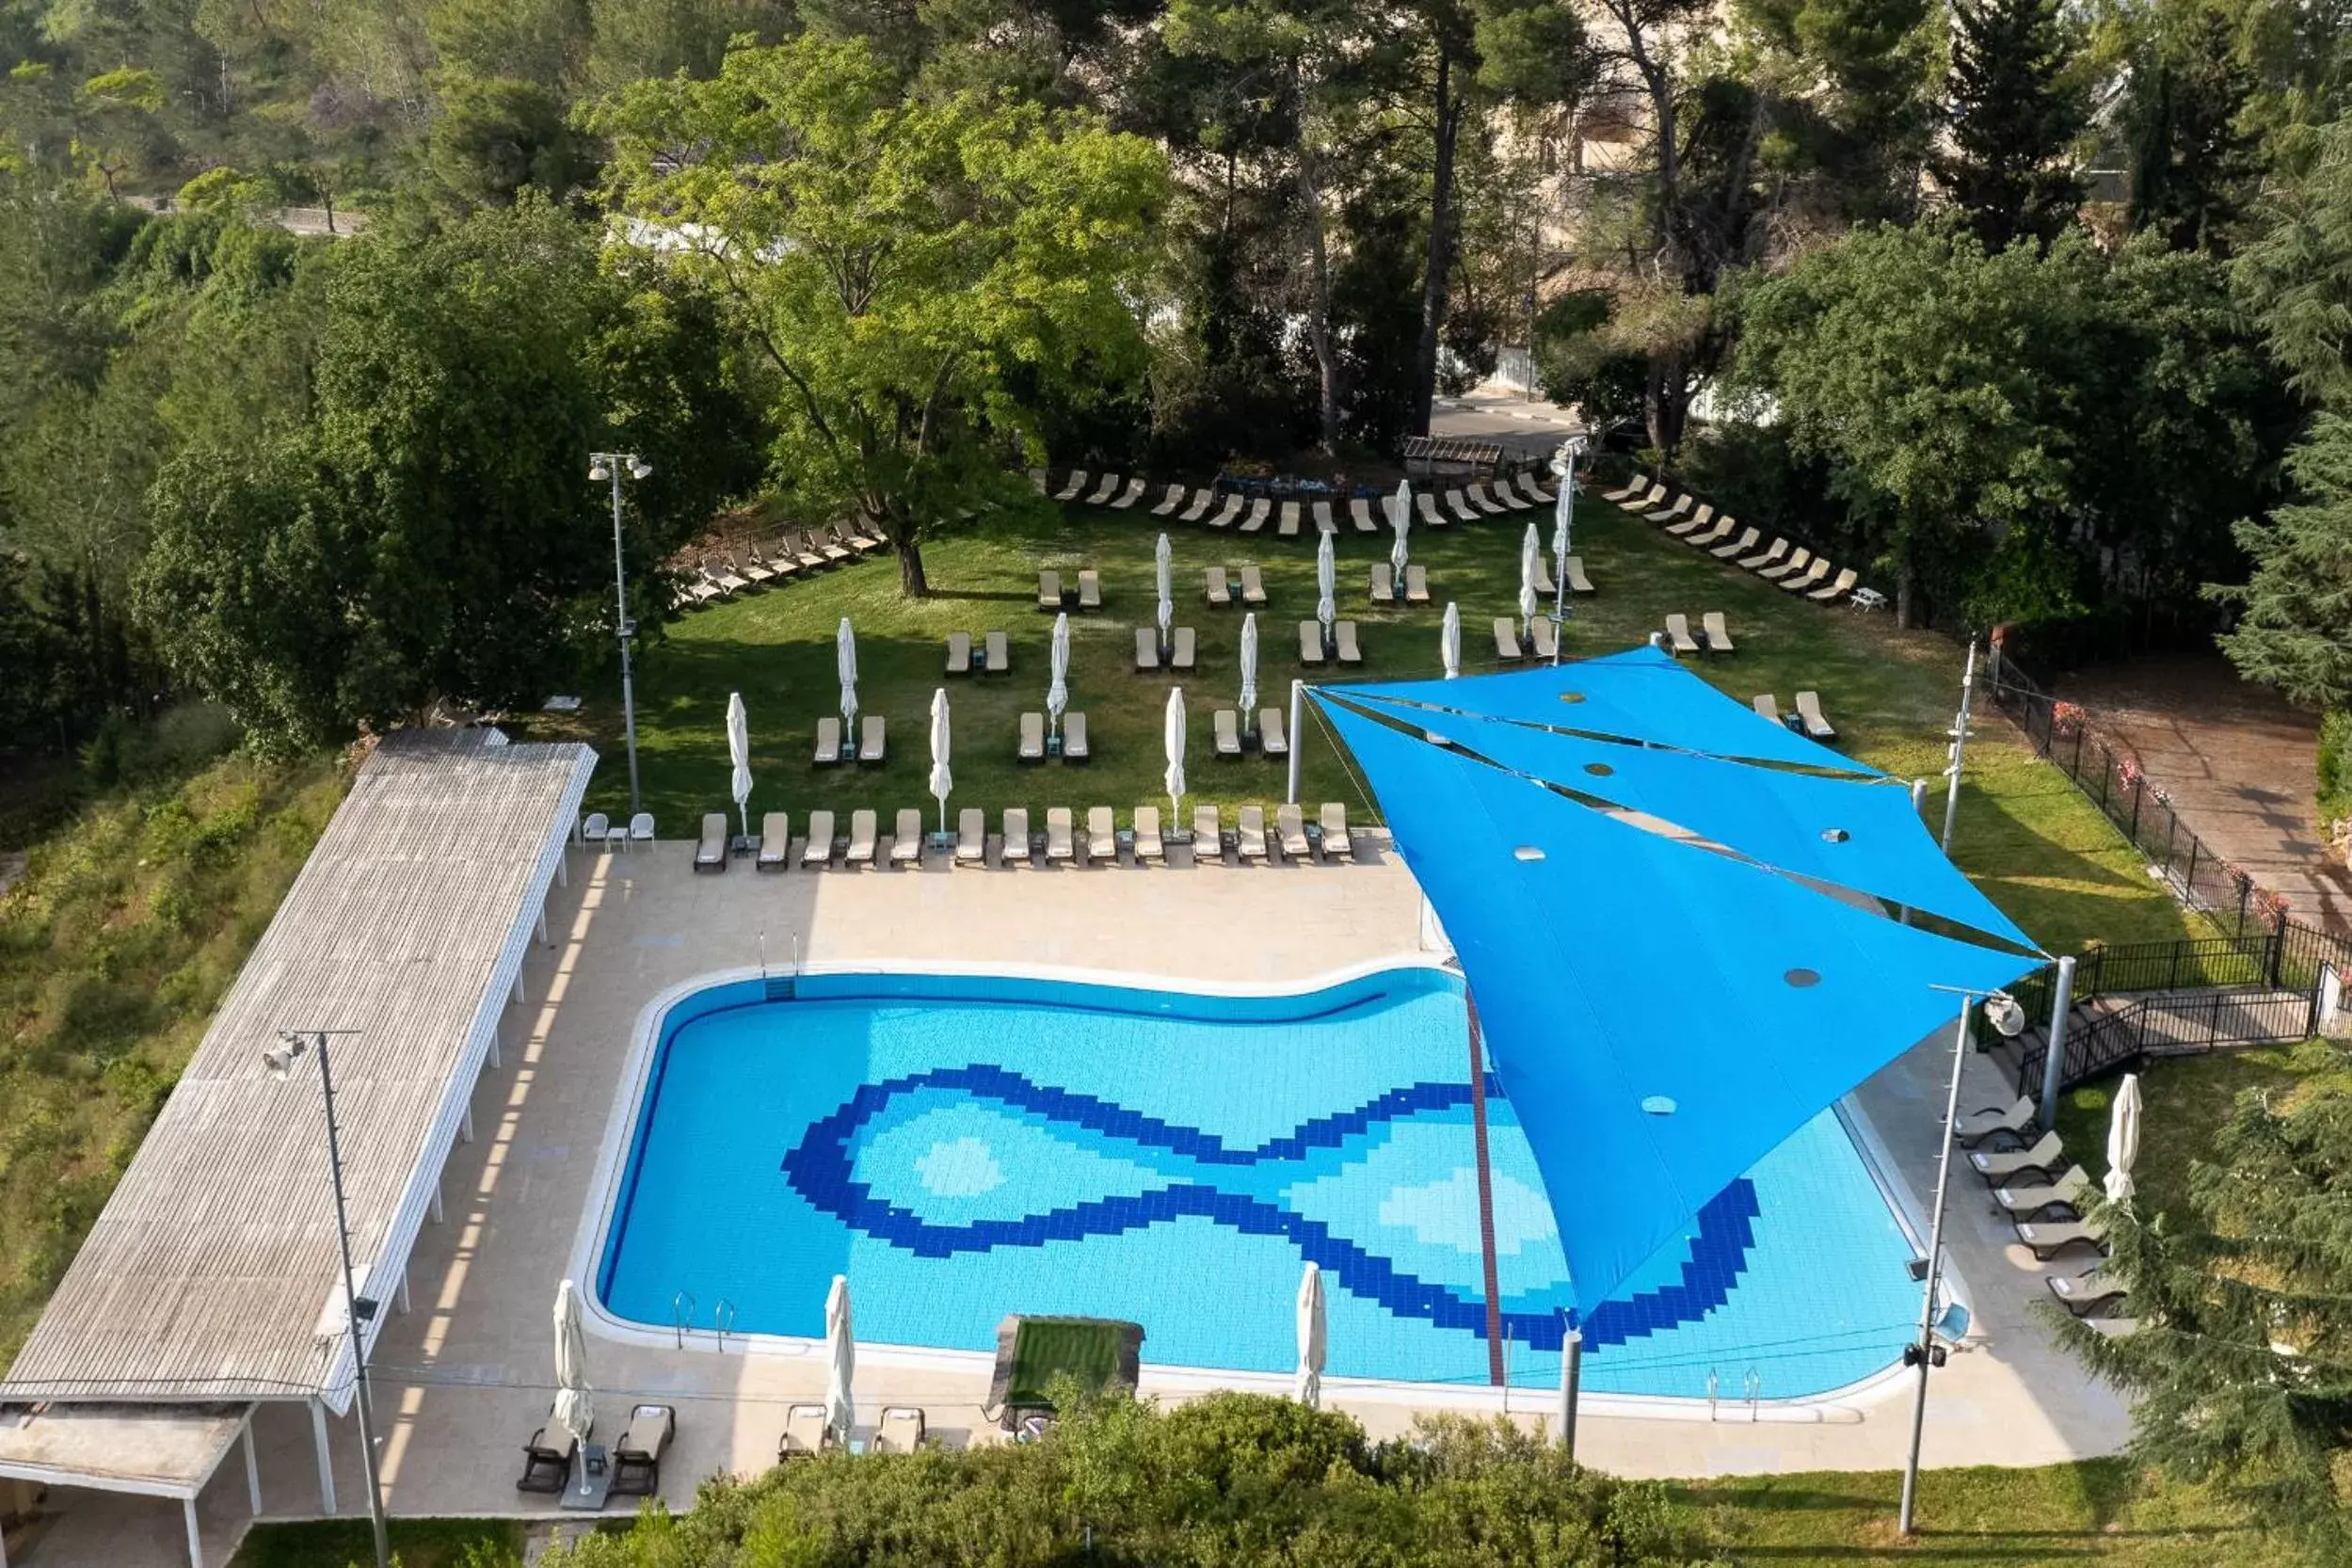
x,y
1752,1384
721,1320
1711,1392
683,1314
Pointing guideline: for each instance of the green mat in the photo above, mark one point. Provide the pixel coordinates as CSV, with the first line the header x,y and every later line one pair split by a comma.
x,y
1032,1353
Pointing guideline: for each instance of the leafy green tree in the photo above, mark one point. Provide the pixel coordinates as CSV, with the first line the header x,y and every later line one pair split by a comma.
x,y
894,262
2016,108
494,137
115,129
1854,105
2194,160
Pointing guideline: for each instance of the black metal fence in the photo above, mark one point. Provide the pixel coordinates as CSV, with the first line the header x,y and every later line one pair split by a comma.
x,y
2282,956
2181,1024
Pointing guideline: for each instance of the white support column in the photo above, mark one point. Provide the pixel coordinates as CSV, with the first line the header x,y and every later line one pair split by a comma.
x,y
253,1472
563,876
436,1202
404,1289
196,1542
326,1464
543,938
519,998
498,1034
465,1127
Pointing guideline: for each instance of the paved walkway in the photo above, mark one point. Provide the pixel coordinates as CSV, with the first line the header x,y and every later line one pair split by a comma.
x,y
464,1369
2238,763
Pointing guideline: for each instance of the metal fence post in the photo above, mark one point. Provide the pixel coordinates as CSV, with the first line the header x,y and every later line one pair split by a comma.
x,y
2189,883
2053,1060
2139,788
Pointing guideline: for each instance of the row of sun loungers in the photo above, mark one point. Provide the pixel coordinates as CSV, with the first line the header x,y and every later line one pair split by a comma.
x,y
1272,741
2044,1197
871,739
1542,640
1218,588
996,655
1342,645
1061,844
1050,596
1714,630
1465,503
1033,742
1182,649
1793,568
1808,716
722,575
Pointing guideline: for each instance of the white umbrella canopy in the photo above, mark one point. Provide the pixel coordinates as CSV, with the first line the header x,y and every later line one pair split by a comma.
x,y
1167,594
1172,736
1450,640
575,1404
739,754
1563,508
845,661
1401,505
1326,580
840,1346
1249,666
2123,1140
1058,687
941,780
1308,1384
1530,552
1400,523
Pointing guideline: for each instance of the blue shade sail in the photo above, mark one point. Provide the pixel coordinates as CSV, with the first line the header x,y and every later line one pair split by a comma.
x,y
1662,1015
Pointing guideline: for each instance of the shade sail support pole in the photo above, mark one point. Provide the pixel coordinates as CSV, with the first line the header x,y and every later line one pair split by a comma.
x,y
1486,1199
1298,736
1923,1352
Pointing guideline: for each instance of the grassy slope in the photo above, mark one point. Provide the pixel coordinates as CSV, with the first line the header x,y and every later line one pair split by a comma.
x,y
416,1543
2041,850
129,925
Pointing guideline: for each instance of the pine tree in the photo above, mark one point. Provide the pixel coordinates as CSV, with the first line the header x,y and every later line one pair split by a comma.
x,y
2193,162
2015,111
2295,632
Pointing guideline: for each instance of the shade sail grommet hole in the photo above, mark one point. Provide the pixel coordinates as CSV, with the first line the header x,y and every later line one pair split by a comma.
x,y
1802,978
1835,836
1599,770
1659,1105
1527,852
1572,697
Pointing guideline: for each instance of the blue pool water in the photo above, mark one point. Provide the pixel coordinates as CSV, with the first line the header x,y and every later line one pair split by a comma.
x,y
967,1147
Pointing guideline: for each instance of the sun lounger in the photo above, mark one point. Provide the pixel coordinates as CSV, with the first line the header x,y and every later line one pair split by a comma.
x,y
1289,524
596,828
999,653
1994,1121
1748,539
1507,640
828,740
1102,835
901,1430
1074,739
710,849
1678,634
1170,502
1290,833
1513,497
1795,561
906,838
1765,557
805,1431
1766,707
2046,1239
804,552
2008,1165
1270,739
1202,501
775,841
1360,513
1059,846
1343,636
2091,1294
1050,590
1181,647
1532,488
1383,584
728,579
1681,506
1251,837
1543,583
1253,585
1846,577
545,1468
959,653
834,550
1216,588
1225,513
751,568
1809,714
1146,649
1089,590
1415,582
1209,838
818,850
637,1456
1261,509
865,828
1718,635
1070,489
1546,639
1483,501
972,836
1149,843
1685,527
1033,742
1310,642
1425,505
1104,491
775,565
1228,728
873,738
1652,496
1126,498
1018,848
1573,570
2069,1194
1459,505
1627,490
1338,843
1723,529
1807,580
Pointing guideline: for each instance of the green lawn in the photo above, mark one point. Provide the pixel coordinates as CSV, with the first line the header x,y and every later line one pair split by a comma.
x,y
415,1544
2037,846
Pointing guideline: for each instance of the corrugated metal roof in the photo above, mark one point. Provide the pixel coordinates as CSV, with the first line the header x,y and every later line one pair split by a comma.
x,y
207,1273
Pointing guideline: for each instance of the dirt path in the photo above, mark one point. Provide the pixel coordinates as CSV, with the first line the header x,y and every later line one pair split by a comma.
x,y
2238,764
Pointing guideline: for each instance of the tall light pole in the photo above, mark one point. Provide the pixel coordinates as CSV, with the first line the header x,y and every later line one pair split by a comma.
x,y
277,1060
609,465
2001,1009
1563,466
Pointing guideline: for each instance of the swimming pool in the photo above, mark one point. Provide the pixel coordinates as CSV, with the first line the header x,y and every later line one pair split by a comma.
x,y
963,1147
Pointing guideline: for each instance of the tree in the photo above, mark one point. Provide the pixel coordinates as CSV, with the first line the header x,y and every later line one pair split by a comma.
x,y
2295,273
1853,98
894,262
2193,162
115,126
2016,109
493,138
2295,623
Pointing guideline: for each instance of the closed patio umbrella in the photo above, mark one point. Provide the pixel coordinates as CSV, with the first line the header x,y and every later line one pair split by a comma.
x,y
1563,508
1530,552
1058,687
1249,666
739,753
845,660
941,780
1308,1384
1172,735
2124,1140
840,1348
1326,580
1450,640
1167,594
575,1403
1400,523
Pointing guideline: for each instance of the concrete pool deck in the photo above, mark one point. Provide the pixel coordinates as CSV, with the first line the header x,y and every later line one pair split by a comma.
x,y
462,1374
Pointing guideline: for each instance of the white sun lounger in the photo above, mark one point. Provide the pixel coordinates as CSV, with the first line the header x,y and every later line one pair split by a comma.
x,y
1033,742
1343,639
1225,513
1723,529
1577,582
1809,713
1253,585
1994,1121
959,653
1290,833
1837,590
1288,524
1338,843
1215,587
873,738
1808,580
1228,725
1425,505
1209,838
818,850
1360,513
1182,643
1383,589
1070,488
1149,844
1685,527
864,829
1090,589
972,836
1533,489
775,841
1507,640
1018,849
1102,837
1146,651
1251,837
1061,845
1128,497
1747,540
2071,1192
1483,501
1718,635
1261,509
2046,1239
1631,488
1050,590
1415,582
1678,634
1103,492
1322,519
1271,740
828,748
1074,738
1460,505
1169,503
906,840
2005,1166
710,850
1546,640
1202,501
999,653
1766,707
1682,503
1764,557
1794,561
1310,642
